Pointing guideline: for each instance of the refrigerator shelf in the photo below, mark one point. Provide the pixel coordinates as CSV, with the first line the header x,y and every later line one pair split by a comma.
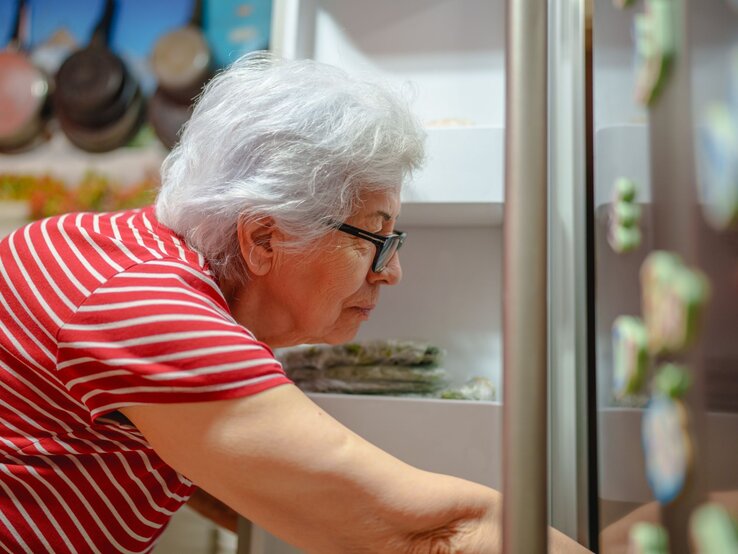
x,y
461,183
449,58
458,437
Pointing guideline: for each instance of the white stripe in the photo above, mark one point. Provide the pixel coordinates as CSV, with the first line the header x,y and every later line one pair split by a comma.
x,y
204,388
119,241
96,223
32,285
13,531
154,302
155,236
187,289
20,300
132,322
25,329
98,449
73,247
40,393
152,339
54,252
44,509
121,446
104,255
82,470
114,226
32,470
52,283
139,239
49,459
197,274
20,348
180,250
165,375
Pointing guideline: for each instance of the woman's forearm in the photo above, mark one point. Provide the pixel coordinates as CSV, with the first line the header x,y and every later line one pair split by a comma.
x,y
289,467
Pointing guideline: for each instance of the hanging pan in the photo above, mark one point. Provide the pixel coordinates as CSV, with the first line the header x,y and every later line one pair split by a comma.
x,y
98,102
24,90
182,63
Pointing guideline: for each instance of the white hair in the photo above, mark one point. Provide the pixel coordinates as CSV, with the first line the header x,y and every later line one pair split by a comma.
x,y
297,141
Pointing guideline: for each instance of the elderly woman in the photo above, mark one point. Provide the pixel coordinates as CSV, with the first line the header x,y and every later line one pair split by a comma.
x,y
136,347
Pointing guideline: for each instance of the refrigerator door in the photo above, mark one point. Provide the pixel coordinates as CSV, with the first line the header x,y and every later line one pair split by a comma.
x,y
666,272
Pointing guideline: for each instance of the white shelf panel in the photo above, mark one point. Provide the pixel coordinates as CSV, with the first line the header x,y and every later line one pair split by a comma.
x,y
462,180
455,437
61,159
446,436
451,56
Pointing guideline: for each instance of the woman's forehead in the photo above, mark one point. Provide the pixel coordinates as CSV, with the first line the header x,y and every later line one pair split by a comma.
x,y
378,204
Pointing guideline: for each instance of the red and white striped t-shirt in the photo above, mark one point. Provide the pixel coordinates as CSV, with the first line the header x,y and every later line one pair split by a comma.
x,y
100,311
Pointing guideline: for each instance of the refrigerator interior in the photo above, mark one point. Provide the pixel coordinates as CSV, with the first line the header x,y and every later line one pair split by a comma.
x,y
449,56
621,149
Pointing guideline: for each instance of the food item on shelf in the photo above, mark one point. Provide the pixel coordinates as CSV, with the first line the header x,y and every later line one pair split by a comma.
x,y
449,122
396,352
370,367
476,388
370,380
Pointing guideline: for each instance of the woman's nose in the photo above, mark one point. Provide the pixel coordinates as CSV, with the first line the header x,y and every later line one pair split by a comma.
x,y
390,275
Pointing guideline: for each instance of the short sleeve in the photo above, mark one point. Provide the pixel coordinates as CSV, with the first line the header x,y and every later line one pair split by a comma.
x,y
160,332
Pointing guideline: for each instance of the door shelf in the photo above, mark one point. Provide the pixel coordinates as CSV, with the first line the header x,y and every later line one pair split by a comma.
x,y
622,471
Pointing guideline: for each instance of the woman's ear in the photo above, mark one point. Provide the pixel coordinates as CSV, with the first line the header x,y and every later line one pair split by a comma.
x,y
257,239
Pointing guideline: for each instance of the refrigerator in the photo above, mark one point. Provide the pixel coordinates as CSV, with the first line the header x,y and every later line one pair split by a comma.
x,y
641,294
662,274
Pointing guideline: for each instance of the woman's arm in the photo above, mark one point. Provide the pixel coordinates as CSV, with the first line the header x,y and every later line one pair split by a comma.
x,y
213,509
282,462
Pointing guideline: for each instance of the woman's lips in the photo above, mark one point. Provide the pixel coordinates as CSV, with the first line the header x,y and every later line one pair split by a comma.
x,y
363,311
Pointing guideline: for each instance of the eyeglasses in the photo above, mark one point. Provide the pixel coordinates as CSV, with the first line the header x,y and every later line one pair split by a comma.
x,y
386,245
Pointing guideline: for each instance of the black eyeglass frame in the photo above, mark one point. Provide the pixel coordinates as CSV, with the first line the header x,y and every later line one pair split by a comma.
x,y
382,243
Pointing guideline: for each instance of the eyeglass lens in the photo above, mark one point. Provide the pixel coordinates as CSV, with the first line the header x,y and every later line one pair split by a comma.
x,y
387,251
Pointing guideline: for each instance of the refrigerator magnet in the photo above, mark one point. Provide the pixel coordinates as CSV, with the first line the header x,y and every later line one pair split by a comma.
x,y
647,538
625,189
624,214
713,530
623,239
667,447
630,355
655,45
673,298
717,157
672,380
